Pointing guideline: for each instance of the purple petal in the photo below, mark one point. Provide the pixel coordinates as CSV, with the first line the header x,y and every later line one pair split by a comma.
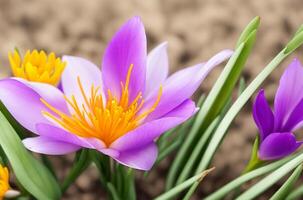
x,y
140,158
181,85
51,94
89,75
127,47
157,68
60,135
278,145
289,93
110,152
148,132
263,115
295,118
24,103
49,146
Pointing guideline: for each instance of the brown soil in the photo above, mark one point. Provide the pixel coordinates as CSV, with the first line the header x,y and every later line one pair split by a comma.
x,y
194,29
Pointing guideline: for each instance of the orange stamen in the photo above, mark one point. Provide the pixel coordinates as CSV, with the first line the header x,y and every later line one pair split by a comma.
x,y
93,119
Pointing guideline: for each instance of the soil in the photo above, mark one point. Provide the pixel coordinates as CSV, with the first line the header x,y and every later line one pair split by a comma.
x,y
195,30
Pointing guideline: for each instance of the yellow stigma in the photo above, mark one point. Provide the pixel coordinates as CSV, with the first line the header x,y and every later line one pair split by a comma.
x,y
37,66
107,119
4,179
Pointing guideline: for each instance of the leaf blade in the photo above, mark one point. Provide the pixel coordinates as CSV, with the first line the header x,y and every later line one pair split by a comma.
x,y
42,185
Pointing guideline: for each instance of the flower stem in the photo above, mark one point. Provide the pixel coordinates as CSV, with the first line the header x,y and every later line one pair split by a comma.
x,y
82,163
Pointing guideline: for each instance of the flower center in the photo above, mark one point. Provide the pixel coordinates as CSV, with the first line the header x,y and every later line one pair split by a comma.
x,y
37,66
107,119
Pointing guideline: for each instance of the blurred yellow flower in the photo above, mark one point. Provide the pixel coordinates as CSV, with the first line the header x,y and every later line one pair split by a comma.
x,y
37,66
4,179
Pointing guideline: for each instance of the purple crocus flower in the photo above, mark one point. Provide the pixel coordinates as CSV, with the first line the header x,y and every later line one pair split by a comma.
x,y
119,112
276,128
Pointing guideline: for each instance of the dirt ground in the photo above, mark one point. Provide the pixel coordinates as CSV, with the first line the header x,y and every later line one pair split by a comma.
x,y
194,29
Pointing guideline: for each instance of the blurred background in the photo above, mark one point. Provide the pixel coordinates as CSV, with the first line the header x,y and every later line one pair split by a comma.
x,y
195,30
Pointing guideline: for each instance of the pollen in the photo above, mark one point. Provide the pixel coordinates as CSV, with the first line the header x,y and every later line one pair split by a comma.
x,y
105,119
4,181
37,66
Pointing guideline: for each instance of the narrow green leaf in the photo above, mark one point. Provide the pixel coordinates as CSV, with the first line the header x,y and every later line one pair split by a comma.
x,y
217,98
254,161
295,42
3,158
300,29
242,86
222,90
162,142
80,164
253,25
181,187
237,106
201,100
296,194
271,179
102,164
168,150
284,190
219,194
177,132
47,163
181,156
112,190
189,166
191,191
33,176
130,184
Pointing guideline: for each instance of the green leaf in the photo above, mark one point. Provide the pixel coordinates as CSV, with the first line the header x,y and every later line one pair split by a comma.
x,y
191,191
162,142
102,163
78,167
217,98
296,194
254,161
47,163
300,29
33,176
284,190
223,88
296,41
242,86
191,137
238,105
271,179
169,149
189,166
112,190
252,26
221,91
219,194
181,187
130,184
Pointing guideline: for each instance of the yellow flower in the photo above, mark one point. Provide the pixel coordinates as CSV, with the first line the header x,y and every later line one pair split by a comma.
x,y
4,179
37,66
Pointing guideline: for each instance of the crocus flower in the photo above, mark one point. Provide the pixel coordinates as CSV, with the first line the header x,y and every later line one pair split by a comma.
x,y
277,127
37,66
119,112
